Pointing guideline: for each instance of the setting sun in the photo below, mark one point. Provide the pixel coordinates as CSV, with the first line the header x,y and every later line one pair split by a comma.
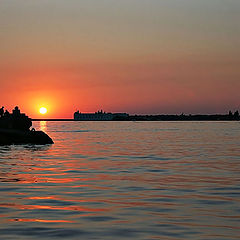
x,y
43,110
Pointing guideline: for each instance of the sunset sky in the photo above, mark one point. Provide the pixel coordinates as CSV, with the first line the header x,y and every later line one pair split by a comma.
x,y
135,56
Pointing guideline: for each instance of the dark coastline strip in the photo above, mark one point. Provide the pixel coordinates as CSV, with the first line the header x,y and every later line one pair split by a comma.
x,y
182,117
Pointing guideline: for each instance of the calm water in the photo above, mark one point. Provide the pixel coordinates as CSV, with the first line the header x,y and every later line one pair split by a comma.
x,y
123,180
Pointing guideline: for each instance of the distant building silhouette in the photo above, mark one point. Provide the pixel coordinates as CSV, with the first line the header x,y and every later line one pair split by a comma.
x,y
98,116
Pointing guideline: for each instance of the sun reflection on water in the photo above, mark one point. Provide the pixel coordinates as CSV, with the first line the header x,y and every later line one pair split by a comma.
x,y
43,126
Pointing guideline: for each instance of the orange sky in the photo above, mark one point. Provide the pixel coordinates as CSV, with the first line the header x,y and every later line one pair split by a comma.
x,y
145,57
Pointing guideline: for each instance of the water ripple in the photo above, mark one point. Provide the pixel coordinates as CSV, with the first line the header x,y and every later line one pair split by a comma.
x,y
123,180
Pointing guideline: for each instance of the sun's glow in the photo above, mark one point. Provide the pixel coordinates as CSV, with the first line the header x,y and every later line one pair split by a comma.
x,y
43,110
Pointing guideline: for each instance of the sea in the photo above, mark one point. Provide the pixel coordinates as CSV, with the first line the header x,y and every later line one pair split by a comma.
x,y
123,180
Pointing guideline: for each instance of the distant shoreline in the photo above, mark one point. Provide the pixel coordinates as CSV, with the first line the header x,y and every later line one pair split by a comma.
x,y
52,119
182,117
